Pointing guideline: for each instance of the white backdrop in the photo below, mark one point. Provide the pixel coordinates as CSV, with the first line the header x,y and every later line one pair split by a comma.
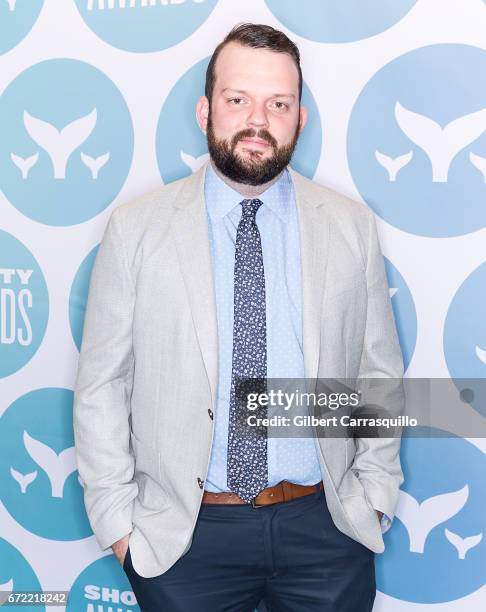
x,y
382,81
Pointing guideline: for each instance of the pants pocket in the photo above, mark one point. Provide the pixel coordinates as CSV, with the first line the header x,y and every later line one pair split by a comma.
x,y
125,560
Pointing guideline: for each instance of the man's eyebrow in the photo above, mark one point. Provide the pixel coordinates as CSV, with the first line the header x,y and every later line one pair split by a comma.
x,y
242,91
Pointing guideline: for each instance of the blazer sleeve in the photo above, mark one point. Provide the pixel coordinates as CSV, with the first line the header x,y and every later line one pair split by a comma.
x,y
377,460
103,389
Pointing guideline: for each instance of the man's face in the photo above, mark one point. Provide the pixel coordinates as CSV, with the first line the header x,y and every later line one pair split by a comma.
x,y
253,119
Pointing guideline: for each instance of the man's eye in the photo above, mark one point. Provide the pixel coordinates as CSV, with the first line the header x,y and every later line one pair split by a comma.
x,y
233,100
283,105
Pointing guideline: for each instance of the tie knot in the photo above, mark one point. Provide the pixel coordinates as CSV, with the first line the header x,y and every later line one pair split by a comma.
x,y
250,207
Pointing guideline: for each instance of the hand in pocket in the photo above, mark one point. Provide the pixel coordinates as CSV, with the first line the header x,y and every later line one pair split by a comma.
x,y
120,548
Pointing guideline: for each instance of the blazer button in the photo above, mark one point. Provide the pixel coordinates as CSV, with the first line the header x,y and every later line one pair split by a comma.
x,y
200,482
210,412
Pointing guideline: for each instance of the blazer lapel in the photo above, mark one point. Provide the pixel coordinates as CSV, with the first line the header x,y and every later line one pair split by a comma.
x,y
191,237
314,244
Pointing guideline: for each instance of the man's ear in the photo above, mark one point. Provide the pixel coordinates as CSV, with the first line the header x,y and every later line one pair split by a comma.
x,y
202,112
303,114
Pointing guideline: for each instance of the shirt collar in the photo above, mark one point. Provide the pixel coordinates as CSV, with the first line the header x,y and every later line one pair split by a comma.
x,y
221,198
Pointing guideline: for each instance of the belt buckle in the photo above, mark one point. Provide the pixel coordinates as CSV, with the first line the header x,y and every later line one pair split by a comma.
x,y
254,505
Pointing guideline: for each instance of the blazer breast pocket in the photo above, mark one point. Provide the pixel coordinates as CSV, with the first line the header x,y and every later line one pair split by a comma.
x,y
344,304
345,283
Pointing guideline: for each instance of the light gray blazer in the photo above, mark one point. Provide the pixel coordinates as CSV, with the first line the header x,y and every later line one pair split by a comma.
x,y
147,376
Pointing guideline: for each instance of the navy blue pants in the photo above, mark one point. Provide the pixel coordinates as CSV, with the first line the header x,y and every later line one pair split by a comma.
x,y
290,555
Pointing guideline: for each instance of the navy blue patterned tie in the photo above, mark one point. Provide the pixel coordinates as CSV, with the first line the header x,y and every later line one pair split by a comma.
x,y
247,445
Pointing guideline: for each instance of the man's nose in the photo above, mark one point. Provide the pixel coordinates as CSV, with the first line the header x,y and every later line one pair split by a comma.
x,y
257,117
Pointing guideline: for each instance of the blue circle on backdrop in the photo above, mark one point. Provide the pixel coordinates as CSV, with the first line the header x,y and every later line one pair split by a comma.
x,y
16,574
25,305
465,338
67,142
421,562
146,26
39,484
182,147
17,18
416,141
403,311
103,585
78,296
329,21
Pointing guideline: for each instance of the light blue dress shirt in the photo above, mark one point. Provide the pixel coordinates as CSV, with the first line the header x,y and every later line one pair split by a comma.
x,y
293,459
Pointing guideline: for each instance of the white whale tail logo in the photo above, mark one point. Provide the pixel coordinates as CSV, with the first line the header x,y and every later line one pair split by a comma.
x,y
420,519
440,144
57,467
60,144
24,165
479,162
481,354
24,480
393,165
94,163
462,545
392,291
5,590
11,4
194,163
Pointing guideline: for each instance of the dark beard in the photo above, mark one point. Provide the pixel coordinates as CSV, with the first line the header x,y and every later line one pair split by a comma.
x,y
252,171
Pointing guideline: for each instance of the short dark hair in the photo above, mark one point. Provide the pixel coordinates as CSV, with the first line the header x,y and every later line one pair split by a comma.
x,y
256,36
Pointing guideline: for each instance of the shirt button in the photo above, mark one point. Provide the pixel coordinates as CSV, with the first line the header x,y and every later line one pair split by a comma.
x,y
210,412
200,482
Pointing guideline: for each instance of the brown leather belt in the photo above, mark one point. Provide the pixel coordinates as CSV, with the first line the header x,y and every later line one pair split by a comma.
x,y
284,491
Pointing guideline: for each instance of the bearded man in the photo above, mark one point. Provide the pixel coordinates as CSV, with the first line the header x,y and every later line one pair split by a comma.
x,y
245,270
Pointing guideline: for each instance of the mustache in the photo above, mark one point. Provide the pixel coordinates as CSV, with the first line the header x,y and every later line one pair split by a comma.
x,y
262,134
